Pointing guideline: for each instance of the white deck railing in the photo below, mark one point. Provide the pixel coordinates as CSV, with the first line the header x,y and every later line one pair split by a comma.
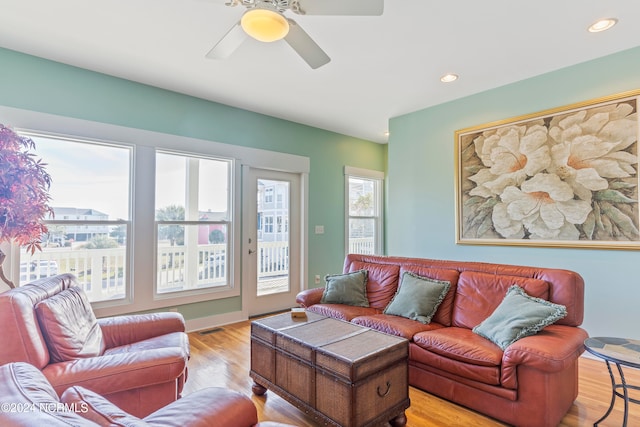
x,y
363,245
102,272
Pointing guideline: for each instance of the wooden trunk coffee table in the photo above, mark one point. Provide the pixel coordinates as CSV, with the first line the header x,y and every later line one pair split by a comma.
x,y
340,373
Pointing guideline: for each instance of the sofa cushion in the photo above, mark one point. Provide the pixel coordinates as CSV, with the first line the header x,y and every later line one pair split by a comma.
x,y
443,313
69,326
417,297
394,325
460,352
350,289
342,311
460,344
460,372
21,334
478,295
518,315
382,282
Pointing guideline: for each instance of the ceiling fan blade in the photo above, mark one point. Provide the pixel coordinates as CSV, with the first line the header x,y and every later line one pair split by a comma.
x,y
341,7
228,43
304,45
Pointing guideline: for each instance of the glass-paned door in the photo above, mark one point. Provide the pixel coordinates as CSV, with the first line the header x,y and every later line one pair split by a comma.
x,y
271,240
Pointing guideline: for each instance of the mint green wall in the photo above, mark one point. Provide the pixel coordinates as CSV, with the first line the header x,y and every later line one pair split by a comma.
x,y
37,84
421,210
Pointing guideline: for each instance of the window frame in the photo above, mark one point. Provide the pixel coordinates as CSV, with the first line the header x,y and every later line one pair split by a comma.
x,y
378,217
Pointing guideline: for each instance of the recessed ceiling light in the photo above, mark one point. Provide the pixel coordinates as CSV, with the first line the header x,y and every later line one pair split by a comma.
x,y
602,25
448,78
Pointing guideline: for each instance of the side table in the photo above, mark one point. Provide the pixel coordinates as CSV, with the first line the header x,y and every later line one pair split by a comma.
x,y
621,352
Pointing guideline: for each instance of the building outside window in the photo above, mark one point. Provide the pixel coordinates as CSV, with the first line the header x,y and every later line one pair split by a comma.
x,y
364,221
268,224
268,195
273,250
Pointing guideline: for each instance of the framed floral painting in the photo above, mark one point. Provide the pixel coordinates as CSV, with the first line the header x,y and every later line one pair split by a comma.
x,y
564,177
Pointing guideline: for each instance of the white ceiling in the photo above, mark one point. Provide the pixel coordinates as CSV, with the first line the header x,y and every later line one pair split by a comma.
x,y
381,66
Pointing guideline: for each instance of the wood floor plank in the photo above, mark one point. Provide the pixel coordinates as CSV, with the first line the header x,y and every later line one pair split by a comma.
x,y
221,358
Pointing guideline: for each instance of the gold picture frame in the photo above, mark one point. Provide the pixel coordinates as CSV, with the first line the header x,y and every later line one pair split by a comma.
x,y
564,177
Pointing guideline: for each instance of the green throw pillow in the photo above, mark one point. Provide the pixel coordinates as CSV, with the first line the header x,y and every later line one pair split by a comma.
x,y
349,289
519,315
417,297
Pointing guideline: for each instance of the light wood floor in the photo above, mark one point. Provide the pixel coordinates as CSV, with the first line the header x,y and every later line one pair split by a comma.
x,y
220,358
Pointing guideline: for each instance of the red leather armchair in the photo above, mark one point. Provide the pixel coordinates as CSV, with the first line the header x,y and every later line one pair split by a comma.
x,y
137,362
28,399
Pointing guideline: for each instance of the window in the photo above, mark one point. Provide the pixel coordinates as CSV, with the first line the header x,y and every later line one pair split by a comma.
x,y
88,234
280,197
364,222
109,240
268,224
268,195
193,223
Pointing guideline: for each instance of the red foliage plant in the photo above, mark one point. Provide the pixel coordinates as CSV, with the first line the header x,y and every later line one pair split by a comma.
x,y
24,191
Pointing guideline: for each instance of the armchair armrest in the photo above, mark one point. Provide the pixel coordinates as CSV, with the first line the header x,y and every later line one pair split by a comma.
x,y
118,372
553,349
95,408
123,330
309,297
211,406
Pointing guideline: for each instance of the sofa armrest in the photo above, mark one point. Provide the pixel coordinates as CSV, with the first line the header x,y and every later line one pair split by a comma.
x,y
554,349
97,409
309,297
114,373
211,406
123,330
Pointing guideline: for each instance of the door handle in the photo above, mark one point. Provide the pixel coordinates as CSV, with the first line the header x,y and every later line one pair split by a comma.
x,y
251,252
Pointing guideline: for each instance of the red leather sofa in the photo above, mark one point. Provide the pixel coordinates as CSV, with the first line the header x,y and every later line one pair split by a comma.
x,y
138,362
533,382
28,399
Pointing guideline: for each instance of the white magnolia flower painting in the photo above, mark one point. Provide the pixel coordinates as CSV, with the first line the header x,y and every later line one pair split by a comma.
x,y
566,177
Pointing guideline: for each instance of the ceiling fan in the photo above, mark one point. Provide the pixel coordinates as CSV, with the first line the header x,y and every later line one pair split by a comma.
x,y
264,20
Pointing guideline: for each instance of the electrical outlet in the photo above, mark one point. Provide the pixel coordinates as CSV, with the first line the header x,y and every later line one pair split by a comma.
x,y
317,279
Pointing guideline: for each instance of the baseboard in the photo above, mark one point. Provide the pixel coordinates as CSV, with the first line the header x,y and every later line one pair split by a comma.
x,y
207,322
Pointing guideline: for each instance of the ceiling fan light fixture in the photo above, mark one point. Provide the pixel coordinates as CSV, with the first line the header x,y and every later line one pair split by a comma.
x,y
264,25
